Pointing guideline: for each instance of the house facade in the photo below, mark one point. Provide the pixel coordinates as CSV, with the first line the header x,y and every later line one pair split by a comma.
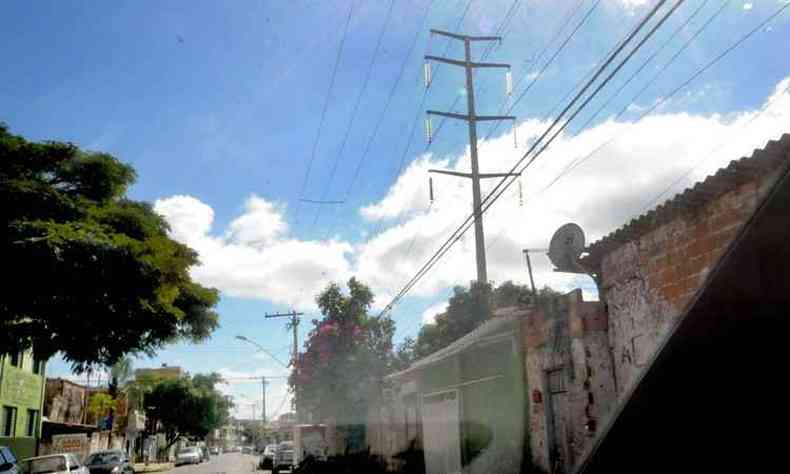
x,y
21,401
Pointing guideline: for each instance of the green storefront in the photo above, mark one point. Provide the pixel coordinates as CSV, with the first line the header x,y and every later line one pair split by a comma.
x,y
21,402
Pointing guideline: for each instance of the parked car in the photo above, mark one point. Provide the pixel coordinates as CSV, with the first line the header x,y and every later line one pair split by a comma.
x,y
214,451
112,461
246,449
204,454
284,458
189,455
67,463
267,458
7,461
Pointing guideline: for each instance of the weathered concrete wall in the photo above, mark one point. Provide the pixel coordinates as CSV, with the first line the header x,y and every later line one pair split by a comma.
x,y
593,387
64,401
394,421
648,282
572,341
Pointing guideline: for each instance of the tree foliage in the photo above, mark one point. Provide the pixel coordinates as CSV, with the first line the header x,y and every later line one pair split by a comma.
x,y
100,405
186,407
95,274
346,352
466,310
120,375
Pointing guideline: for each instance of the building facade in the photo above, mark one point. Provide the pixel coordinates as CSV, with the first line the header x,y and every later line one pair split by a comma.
x,y
21,401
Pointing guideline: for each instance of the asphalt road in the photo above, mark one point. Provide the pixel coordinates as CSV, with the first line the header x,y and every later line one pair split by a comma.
x,y
228,463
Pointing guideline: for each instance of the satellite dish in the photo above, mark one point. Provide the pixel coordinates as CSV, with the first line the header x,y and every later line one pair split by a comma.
x,y
567,245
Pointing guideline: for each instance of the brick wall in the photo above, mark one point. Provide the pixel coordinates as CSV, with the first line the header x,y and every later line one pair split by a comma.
x,y
648,281
571,337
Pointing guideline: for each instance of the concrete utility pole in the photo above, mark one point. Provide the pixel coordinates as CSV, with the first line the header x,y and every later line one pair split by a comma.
x,y
471,118
263,402
529,269
293,324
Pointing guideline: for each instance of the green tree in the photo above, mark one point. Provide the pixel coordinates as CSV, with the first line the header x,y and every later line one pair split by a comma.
x,y
345,355
95,275
120,375
100,405
186,407
466,310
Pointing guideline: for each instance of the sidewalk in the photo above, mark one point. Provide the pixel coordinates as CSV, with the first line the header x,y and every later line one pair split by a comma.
x,y
152,467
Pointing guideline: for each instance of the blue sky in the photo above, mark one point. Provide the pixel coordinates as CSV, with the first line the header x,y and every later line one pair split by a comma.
x,y
217,105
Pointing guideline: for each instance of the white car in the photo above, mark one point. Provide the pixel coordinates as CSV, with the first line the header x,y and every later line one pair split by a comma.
x,y
53,464
190,455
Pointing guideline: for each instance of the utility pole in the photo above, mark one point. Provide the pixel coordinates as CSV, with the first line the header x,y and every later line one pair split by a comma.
x,y
529,269
471,118
293,324
263,402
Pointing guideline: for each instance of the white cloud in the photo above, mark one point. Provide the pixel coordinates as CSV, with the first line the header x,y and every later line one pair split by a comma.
x,y
409,192
285,271
429,315
631,5
601,194
261,223
747,6
188,217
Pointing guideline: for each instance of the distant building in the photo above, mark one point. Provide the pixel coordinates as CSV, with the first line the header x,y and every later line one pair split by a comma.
x,y
21,402
65,401
164,372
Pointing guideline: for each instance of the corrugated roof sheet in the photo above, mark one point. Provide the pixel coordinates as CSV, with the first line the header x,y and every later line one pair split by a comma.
x,y
760,163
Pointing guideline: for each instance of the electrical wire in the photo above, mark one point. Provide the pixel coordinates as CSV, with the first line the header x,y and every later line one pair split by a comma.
x,y
568,17
663,99
650,58
380,120
503,184
324,109
495,125
652,202
489,49
420,112
355,110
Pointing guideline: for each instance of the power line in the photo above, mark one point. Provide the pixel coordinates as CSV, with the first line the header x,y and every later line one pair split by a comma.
x,y
559,50
387,103
355,110
568,17
419,114
651,58
712,152
504,183
325,107
663,99
505,21
577,162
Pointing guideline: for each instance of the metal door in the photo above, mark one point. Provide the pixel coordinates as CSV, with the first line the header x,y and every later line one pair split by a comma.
x,y
442,433
558,430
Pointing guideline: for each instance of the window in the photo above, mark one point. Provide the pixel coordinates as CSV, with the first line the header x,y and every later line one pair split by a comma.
x,y
38,366
9,421
556,380
32,421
